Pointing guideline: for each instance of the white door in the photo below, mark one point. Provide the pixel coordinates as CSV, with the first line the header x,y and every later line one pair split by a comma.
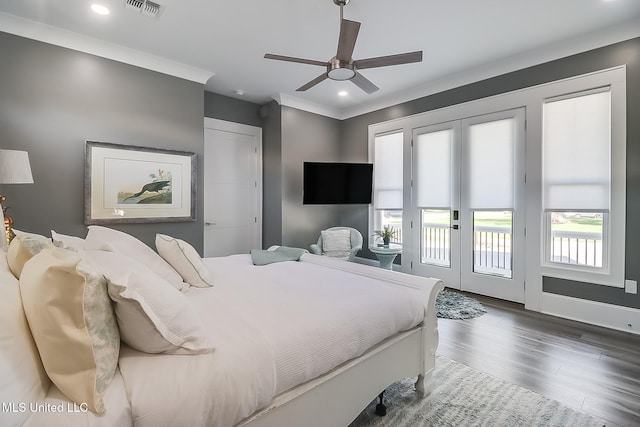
x,y
232,188
469,204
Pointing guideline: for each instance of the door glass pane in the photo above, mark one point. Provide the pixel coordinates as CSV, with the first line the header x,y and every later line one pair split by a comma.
x,y
492,233
435,237
576,238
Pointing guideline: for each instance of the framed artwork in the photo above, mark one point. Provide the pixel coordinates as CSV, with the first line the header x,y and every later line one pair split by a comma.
x,y
129,184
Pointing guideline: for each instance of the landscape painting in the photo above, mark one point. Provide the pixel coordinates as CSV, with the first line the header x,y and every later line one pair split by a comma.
x,y
138,184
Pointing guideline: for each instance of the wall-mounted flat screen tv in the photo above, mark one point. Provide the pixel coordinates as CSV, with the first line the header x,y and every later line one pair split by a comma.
x,y
337,183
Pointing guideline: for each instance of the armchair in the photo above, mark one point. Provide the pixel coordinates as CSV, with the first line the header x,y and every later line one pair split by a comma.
x,y
338,242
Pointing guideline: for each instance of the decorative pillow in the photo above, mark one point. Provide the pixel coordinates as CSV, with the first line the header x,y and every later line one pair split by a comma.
x,y
70,315
154,317
22,248
184,259
22,376
336,243
107,239
67,242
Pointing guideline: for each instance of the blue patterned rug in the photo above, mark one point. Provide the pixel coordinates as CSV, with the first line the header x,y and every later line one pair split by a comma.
x,y
465,397
454,305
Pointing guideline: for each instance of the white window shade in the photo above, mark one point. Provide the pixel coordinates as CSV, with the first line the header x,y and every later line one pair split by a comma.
x,y
490,161
387,168
577,153
433,174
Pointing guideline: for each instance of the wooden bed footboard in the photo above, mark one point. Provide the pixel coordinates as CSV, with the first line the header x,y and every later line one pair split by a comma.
x,y
337,397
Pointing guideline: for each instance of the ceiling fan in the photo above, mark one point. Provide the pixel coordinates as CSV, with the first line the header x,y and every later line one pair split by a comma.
x,y
343,66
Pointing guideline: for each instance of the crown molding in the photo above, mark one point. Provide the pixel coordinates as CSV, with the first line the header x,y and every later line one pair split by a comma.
x,y
68,39
301,104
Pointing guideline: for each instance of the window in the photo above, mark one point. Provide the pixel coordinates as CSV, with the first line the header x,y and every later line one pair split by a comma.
x,y
388,188
577,179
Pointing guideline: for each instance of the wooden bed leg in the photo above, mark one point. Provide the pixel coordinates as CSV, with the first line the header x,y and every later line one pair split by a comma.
x,y
424,384
381,409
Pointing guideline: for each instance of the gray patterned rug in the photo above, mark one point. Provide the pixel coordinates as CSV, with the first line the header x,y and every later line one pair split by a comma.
x,y
465,397
454,305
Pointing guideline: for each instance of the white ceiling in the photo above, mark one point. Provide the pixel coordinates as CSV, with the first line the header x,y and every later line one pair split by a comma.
x,y
462,40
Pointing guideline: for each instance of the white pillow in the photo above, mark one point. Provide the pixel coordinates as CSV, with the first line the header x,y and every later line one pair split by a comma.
x,y
184,259
154,317
108,239
22,376
70,315
67,242
336,243
22,248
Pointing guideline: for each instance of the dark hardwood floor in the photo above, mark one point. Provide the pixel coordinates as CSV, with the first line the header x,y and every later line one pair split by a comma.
x,y
593,369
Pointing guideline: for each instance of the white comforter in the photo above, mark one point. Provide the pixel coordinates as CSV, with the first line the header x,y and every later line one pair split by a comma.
x,y
274,327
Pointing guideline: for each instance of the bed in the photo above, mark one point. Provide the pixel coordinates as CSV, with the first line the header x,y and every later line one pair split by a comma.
x,y
309,342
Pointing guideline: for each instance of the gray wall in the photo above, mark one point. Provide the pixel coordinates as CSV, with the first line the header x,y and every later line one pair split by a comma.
x,y
353,133
52,99
305,137
271,174
231,109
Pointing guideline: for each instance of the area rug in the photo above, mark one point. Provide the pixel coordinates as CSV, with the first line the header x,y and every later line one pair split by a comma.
x,y
454,305
464,397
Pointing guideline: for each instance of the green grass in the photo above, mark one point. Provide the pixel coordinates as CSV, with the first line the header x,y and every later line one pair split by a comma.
x,y
587,225
502,219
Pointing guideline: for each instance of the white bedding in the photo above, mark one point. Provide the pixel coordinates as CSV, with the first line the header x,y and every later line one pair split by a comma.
x,y
274,327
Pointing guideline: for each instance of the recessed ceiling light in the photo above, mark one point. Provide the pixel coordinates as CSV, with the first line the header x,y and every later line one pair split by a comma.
x,y
343,93
239,92
100,9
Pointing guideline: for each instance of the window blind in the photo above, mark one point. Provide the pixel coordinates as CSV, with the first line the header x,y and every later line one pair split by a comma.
x,y
433,173
490,151
577,152
387,169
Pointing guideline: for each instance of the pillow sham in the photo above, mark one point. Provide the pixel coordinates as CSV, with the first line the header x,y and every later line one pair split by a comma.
x,y
108,239
70,316
184,259
336,243
22,376
22,248
67,242
153,316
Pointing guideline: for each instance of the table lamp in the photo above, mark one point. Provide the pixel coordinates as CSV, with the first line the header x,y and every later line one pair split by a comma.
x,y
14,169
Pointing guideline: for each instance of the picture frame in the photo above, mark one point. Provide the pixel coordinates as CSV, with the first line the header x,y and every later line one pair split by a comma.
x,y
132,184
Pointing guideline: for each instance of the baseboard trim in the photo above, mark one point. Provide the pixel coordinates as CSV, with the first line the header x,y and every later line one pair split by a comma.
x,y
611,316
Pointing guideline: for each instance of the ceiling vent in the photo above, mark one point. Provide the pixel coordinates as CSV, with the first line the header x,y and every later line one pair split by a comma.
x,y
145,7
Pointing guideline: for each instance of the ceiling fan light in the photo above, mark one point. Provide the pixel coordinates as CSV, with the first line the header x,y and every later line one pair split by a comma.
x,y
341,74
340,70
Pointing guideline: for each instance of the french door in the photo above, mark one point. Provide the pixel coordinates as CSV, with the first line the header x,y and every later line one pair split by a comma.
x,y
468,203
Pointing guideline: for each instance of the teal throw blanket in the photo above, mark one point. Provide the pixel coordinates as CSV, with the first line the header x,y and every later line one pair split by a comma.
x,y
282,253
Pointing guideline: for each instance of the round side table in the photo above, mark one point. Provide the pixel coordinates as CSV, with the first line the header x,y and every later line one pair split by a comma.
x,y
386,255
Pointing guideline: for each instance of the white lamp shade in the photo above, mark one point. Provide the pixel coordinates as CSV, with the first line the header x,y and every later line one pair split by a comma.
x,y
15,167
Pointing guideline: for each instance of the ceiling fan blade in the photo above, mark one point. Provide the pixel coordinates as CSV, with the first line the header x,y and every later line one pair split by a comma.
x,y
294,59
347,40
312,83
363,83
384,61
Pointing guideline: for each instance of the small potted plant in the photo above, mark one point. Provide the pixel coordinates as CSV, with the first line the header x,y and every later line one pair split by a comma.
x,y
386,234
